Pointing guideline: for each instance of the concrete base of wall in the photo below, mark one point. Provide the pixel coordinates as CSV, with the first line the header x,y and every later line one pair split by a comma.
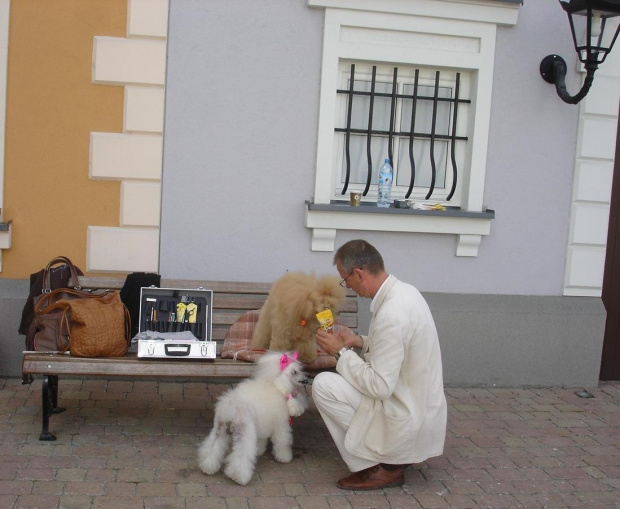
x,y
13,295
515,341
486,340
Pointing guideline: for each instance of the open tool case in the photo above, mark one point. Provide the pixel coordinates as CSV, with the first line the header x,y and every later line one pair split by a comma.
x,y
169,312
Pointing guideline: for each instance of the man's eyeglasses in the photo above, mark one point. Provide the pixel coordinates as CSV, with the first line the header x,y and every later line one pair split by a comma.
x,y
343,281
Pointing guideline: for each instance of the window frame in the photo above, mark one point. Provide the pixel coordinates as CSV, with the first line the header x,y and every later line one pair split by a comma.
x,y
426,81
425,33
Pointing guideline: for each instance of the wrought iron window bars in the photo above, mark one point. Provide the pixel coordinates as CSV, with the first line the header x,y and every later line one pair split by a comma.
x,y
411,135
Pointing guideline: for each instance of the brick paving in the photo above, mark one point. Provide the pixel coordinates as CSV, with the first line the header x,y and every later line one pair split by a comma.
x,y
132,444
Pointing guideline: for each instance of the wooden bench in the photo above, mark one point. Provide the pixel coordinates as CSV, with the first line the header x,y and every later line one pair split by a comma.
x,y
230,301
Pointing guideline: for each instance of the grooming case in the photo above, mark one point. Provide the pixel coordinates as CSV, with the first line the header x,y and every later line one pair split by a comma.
x,y
174,310
176,349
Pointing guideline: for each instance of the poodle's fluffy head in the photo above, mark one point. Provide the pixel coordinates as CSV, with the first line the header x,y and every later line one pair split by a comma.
x,y
328,294
325,294
282,369
307,294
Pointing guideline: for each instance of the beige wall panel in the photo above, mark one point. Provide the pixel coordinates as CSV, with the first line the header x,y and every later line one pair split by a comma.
x,y
144,109
140,203
147,18
52,107
123,249
117,156
122,61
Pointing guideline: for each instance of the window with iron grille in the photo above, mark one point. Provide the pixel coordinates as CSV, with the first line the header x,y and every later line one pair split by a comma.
x,y
415,116
442,52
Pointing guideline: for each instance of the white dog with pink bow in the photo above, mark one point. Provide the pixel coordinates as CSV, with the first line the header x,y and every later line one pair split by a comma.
x,y
255,411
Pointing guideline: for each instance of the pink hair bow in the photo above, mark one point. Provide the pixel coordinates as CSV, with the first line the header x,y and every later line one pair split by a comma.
x,y
286,359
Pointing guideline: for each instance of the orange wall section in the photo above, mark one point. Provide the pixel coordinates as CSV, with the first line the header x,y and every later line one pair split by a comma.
x,y
52,107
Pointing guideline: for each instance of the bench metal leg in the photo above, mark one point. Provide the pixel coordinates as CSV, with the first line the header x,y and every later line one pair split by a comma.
x,y
49,405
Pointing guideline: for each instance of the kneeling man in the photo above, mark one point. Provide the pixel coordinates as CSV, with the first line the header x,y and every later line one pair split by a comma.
x,y
385,409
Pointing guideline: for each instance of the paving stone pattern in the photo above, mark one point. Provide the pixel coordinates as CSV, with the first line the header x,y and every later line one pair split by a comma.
x,y
132,445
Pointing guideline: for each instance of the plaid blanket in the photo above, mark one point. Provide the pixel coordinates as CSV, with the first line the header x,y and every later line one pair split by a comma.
x,y
239,336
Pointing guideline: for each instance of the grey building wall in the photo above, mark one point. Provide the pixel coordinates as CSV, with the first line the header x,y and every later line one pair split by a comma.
x,y
240,141
242,98
239,144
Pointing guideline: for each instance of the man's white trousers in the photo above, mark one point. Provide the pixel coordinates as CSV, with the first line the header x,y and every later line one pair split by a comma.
x,y
337,401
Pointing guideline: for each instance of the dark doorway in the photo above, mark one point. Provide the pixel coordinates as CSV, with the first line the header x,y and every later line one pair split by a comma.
x,y
610,363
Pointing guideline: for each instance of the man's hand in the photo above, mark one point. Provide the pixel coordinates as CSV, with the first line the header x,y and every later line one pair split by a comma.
x,y
351,339
332,343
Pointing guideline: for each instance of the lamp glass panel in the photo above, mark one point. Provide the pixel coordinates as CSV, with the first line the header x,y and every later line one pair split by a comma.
x,y
603,33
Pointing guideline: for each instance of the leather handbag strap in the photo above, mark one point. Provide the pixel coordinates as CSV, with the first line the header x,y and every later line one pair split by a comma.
x,y
48,302
47,285
65,321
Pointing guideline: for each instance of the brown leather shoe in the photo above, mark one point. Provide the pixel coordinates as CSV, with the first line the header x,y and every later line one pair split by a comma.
x,y
373,478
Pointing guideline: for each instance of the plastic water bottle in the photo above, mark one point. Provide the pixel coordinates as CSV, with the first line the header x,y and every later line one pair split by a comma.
x,y
384,197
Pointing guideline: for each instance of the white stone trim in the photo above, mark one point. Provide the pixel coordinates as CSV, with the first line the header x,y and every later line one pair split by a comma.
x,y
588,266
133,157
488,11
593,173
467,245
374,30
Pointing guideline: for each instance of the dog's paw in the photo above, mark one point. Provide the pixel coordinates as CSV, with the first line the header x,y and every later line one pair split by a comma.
x,y
295,407
209,466
240,475
283,455
261,447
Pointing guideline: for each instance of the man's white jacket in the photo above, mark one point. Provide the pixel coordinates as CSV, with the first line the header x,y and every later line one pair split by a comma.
x,y
403,414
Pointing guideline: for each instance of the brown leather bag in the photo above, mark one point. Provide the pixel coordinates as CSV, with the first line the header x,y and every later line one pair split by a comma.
x,y
88,324
59,273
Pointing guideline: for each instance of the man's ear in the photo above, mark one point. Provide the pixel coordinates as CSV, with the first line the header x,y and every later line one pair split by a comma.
x,y
360,273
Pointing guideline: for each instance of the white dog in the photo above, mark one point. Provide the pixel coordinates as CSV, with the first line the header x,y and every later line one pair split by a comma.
x,y
255,411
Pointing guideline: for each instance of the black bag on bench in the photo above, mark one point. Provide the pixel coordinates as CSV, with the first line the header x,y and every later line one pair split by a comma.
x,y
130,295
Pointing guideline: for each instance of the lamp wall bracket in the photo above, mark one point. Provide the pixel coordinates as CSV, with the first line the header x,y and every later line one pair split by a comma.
x,y
553,70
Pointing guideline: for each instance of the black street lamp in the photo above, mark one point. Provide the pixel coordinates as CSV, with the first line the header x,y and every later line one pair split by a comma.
x,y
600,38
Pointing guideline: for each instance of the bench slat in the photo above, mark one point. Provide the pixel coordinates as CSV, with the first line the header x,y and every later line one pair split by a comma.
x,y
228,301
234,287
39,363
116,283
219,286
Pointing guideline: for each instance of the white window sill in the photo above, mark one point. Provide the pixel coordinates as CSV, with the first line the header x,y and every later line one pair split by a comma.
x,y
5,234
326,219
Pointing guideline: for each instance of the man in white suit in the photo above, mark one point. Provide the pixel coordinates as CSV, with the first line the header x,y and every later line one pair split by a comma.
x,y
386,408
